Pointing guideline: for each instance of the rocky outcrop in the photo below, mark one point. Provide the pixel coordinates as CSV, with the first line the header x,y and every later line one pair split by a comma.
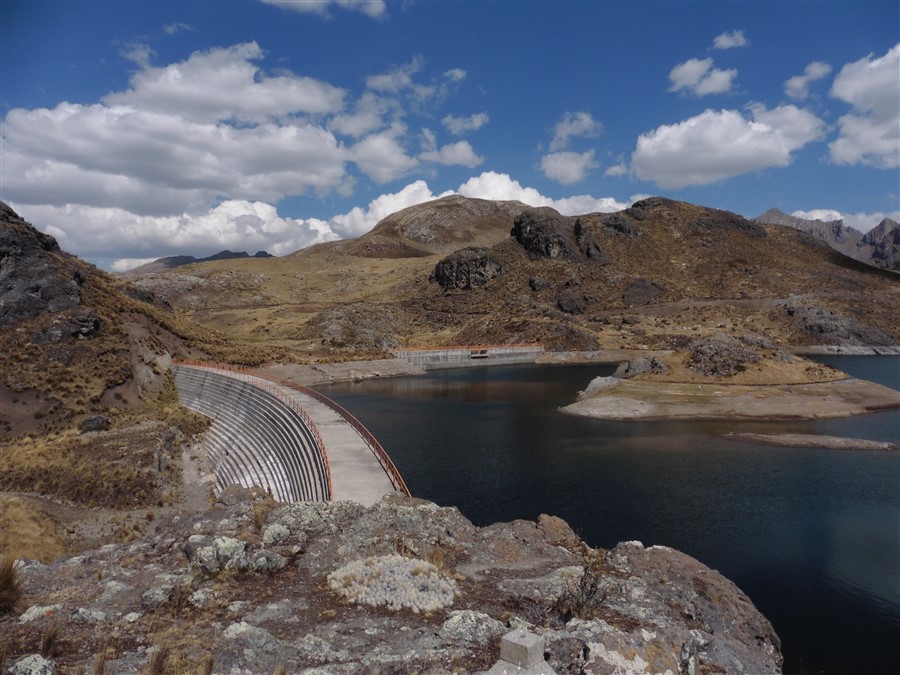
x,y
544,233
720,355
829,328
466,269
31,281
251,585
624,223
640,366
571,301
833,232
358,327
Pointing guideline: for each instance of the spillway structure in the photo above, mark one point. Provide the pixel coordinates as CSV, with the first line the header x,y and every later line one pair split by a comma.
x,y
291,441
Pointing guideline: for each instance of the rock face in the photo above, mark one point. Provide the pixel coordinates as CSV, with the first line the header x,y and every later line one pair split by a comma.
x,y
357,327
639,366
544,233
253,584
467,268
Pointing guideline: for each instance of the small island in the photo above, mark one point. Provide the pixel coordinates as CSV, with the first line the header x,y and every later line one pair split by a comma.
x,y
724,377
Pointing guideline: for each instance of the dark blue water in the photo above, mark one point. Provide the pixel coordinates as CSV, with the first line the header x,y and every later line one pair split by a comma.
x,y
812,536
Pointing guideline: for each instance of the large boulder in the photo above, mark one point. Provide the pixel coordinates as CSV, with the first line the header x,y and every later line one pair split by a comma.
x,y
642,291
467,268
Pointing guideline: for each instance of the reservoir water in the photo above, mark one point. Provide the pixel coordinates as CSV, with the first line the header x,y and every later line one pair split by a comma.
x,y
812,536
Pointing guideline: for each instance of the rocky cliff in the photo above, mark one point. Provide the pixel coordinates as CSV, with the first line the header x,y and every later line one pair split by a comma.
x,y
404,586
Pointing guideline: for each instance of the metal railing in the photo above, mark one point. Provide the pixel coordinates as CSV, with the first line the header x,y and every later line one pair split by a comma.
x,y
387,464
246,375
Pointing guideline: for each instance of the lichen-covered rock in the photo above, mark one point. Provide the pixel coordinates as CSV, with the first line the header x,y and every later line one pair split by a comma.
x,y
466,269
35,664
643,610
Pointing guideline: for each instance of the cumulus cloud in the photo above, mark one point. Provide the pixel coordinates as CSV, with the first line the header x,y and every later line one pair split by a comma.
x,y
224,84
139,160
460,153
574,125
372,8
173,28
455,74
798,86
492,185
730,40
860,221
716,145
698,77
459,126
870,133
369,115
617,170
381,157
117,234
568,167
397,78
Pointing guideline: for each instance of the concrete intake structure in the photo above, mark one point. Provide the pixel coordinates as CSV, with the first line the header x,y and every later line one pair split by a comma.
x,y
274,436
468,356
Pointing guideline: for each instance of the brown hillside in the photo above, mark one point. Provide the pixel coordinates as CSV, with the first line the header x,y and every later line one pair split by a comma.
x,y
662,272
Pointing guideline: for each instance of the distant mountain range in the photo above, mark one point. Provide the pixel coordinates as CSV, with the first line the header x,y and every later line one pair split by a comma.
x,y
181,260
879,247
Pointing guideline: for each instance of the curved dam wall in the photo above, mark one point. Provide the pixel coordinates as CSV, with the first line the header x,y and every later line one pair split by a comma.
x,y
257,438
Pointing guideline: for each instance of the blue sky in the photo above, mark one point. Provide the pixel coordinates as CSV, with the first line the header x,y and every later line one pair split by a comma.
x,y
134,130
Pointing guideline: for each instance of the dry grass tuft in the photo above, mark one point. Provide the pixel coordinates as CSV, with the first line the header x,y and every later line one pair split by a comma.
x,y
25,531
50,641
158,659
10,586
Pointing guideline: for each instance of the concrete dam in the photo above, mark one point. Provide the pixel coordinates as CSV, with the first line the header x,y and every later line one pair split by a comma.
x,y
469,356
293,442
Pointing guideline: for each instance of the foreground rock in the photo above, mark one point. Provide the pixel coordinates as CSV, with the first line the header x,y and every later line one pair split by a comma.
x,y
254,584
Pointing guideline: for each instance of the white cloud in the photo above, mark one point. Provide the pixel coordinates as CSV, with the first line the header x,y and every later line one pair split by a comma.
x,y
798,86
860,221
460,153
730,40
492,185
574,125
125,264
238,225
462,125
397,78
699,77
139,54
381,157
716,145
617,170
372,8
870,133
148,162
369,116
178,27
455,74
568,167
225,84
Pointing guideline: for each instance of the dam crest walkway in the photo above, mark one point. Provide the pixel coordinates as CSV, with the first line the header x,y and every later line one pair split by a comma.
x,y
290,440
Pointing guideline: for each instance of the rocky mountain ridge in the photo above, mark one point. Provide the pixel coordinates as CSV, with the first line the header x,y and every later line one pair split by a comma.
x,y
880,246
171,262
